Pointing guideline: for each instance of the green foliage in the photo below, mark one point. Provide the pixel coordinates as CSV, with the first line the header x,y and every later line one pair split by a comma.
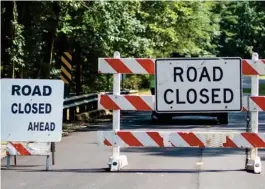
x,y
242,28
40,31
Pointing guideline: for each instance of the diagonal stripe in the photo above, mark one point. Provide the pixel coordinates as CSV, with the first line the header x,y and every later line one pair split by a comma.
x,y
138,102
66,63
145,139
123,103
260,101
244,109
254,140
263,61
191,139
21,149
129,139
248,69
107,143
108,103
157,138
67,74
147,64
64,80
229,143
69,56
118,65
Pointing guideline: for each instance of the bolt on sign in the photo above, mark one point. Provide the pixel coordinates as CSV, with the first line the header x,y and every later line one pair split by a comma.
x,y
31,110
198,85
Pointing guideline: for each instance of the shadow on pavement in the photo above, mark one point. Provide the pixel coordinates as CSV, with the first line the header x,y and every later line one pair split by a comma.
x,y
142,120
189,152
106,170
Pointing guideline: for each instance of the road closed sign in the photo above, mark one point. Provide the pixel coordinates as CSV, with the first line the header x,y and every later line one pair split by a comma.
x,y
31,110
198,85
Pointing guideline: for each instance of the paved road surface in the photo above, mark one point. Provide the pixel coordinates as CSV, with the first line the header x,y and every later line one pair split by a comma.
x,y
80,163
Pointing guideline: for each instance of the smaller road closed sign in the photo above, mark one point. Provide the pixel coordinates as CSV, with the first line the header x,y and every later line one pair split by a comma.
x,y
198,85
31,110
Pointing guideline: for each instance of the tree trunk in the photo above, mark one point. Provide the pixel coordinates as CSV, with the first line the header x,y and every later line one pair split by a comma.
x,y
49,38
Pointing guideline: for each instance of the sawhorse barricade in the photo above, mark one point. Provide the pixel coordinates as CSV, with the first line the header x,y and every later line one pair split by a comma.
x,y
116,102
28,149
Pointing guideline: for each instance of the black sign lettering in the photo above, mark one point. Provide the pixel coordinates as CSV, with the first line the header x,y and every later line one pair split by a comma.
x,y
214,101
178,71
20,109
36,126
41,126
26,90
36,91
165,96
194,96
27,108
202,93
30,127
177,98
215,78
47,90
48,108
226,92
204,74
41,108
35,108
193,72
52,126
14,108
15,90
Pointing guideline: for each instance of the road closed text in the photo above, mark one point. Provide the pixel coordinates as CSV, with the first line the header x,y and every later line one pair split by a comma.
x,y
29,108
202,95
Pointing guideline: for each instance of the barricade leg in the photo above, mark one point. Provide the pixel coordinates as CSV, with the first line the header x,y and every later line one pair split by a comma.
x,y
47,162
8,159
254,163
15,160
116,161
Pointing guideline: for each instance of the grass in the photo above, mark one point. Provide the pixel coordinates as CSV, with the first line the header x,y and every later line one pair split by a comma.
x,y
261,90
144,92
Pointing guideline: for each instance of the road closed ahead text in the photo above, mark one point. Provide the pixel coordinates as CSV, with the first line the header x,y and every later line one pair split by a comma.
x,y
208,85
33,108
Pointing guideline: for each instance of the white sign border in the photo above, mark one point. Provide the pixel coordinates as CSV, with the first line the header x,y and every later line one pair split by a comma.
x,y
200,111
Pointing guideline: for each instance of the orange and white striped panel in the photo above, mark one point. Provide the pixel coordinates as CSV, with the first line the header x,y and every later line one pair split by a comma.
x,y
146,66
251,67
256,103
28,149
126,65
126,102
181,139
147,103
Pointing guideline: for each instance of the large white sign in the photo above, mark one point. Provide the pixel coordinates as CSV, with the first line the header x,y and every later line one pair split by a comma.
x,y
198,85
31,110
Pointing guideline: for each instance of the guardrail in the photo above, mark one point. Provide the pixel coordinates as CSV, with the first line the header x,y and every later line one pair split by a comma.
x,y
84,103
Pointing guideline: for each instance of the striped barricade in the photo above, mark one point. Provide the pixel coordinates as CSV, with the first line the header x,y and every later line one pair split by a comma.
x,y
147,103
147,66
181,139
117,102
28,149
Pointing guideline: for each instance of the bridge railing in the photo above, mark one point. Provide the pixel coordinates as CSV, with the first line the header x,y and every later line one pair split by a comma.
x,y
84,103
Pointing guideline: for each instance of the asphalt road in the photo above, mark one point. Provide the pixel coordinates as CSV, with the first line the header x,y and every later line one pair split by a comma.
x,y
81,164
